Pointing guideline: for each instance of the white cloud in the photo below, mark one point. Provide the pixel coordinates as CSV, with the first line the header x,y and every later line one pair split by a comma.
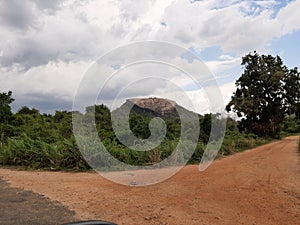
x,y
289,18
46,47
200,26
22,18
55,81
88,29
226,63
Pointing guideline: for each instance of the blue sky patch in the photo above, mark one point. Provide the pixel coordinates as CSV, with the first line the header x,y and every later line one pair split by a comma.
x,y
116,66
288,48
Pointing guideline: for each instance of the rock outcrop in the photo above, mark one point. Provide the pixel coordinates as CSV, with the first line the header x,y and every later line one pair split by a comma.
x,y
159,106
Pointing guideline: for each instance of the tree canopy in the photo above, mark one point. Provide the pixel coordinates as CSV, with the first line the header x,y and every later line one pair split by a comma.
x,y
266,92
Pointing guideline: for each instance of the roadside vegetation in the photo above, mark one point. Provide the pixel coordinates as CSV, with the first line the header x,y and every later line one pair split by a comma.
x,y
266,100
43,141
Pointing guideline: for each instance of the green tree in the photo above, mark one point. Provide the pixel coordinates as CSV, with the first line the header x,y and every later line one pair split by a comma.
x,y
101,116
292,93
266,92
63,121
6,117
26,110
5,109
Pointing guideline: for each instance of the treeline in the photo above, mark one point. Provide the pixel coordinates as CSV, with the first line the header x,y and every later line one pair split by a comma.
x,y
34,140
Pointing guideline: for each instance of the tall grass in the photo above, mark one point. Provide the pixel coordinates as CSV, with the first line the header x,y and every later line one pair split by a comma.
x,y
65,155
26,152
235,142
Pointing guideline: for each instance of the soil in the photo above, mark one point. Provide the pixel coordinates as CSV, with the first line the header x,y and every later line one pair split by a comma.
x,y
258,186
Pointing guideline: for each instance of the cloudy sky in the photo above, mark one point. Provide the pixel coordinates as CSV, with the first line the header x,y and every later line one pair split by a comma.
x,y
47,47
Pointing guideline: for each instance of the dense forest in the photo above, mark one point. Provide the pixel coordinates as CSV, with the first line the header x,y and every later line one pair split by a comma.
x,y
266,99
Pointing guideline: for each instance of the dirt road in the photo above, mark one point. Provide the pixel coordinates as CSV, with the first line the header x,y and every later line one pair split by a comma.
x,y
27,208
259,186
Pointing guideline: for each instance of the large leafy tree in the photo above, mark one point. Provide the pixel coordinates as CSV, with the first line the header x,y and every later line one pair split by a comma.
x,y
265,93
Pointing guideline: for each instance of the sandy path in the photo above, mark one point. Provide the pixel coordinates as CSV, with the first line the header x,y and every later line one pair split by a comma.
x,y
259,186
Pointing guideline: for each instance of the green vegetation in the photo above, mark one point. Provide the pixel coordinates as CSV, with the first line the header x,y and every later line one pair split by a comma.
x,y
33,140
267,99
266,92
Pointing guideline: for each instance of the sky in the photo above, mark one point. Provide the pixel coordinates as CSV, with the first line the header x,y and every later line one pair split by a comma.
x,y
47,48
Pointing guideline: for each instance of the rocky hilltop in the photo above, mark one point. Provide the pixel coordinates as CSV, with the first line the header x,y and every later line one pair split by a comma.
x,y
158,106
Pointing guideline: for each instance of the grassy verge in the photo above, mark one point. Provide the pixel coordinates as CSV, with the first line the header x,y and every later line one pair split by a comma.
x,y
36,154
236,142
29,153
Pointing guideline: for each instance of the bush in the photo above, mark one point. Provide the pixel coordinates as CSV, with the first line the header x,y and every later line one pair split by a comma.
x,y
36,154
235,142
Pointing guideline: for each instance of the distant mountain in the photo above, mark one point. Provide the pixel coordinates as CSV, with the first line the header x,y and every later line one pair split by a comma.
x,y
153,106
157,107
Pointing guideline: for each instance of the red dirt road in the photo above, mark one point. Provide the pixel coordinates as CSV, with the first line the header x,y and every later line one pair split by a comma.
x,y
259,186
